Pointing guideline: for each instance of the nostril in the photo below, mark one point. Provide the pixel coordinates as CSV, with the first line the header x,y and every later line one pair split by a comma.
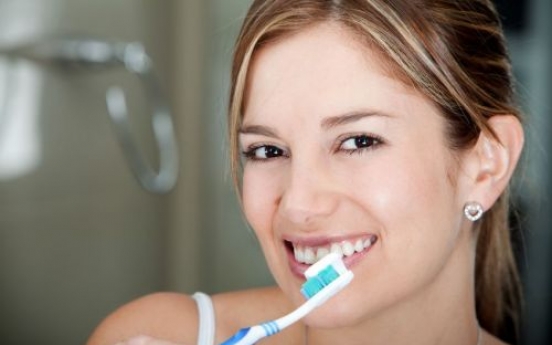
x,y
307,215
308,197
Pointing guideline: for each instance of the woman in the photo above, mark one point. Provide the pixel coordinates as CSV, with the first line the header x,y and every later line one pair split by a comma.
x,y
381,129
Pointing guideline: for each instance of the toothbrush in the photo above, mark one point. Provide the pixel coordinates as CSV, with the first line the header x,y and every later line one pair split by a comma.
x,y
324,279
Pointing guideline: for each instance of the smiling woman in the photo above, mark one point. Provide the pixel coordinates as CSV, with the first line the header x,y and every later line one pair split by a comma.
x,y
381,130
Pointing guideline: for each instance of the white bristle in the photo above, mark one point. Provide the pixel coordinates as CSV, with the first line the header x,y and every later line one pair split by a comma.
x,y
330,259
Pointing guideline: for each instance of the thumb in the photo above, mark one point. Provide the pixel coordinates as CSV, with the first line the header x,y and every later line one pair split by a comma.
x,y
145,340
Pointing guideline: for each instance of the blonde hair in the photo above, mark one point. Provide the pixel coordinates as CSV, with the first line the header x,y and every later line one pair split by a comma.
x,y
453,52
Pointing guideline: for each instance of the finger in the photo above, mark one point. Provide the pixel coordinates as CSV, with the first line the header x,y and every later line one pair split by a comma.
x,y
146,340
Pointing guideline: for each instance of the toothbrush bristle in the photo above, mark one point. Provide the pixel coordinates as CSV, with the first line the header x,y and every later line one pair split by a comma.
x,y
311,287
315,284
328,275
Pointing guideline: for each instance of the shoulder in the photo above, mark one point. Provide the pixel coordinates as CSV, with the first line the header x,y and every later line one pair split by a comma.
x,y
236,309
174,317
169,316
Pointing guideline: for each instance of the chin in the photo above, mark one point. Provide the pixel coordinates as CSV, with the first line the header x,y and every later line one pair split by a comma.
x,y
335,313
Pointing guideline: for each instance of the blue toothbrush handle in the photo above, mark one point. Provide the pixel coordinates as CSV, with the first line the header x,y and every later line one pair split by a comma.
x,y
250,335
236,338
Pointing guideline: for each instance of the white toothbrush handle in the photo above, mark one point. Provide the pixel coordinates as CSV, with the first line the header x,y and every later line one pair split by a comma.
x,y
248,336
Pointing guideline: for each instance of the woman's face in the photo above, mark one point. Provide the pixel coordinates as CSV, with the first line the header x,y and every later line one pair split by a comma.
x,y
340,156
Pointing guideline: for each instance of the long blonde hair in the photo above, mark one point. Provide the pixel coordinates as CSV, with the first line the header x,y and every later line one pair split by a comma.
x,y
452,51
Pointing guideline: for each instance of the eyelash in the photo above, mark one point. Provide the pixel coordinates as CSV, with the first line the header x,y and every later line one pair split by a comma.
x,y
250,155
373,142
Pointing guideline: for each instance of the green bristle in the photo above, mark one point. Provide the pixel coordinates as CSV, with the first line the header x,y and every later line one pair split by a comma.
x,y
311,287
328,275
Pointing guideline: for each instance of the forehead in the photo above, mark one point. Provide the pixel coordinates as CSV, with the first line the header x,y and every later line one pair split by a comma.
x,y
323,70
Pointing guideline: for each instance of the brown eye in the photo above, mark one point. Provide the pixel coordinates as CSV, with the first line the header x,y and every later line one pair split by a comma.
x,y
269,152
359,142
264,152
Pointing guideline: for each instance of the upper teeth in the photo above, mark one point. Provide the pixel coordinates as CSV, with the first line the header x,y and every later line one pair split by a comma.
x,y
310,255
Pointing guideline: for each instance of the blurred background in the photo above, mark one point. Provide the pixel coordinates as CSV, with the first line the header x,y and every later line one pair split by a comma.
x,y
79,235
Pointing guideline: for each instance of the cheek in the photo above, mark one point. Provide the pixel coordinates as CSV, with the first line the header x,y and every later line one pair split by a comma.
x,y
413,202
259,195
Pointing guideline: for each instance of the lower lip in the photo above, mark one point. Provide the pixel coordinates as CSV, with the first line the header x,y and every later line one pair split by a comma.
x,y
298,269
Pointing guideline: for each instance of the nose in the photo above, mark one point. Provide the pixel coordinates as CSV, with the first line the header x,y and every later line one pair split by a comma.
x,y
309,196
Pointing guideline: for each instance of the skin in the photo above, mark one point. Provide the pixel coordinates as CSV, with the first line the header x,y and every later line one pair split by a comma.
x,y
338,149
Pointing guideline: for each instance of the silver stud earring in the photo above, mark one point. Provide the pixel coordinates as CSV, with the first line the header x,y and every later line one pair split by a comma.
x,y
473,211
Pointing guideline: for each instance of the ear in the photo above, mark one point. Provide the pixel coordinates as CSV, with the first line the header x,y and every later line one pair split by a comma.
x,y
494,159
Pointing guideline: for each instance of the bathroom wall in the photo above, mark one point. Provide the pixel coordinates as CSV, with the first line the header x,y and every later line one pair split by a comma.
x,y
231,253
532,50
78,236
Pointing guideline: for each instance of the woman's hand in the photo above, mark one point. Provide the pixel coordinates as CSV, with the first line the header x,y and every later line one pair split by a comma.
x,y
145,340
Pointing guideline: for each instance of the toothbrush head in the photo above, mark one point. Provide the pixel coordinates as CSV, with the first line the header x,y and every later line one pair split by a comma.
x,y
328,276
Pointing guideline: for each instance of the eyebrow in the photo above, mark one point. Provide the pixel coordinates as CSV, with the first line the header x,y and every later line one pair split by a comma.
x,y
259,130
347,118
327,123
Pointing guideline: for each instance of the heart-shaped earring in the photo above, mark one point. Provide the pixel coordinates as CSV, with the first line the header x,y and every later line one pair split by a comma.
x,y
473,211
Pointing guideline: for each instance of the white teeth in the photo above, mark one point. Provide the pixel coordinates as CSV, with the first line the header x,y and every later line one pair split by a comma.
x,y
336,248
348,248
299,255
321,252
310,255
367,243
359,246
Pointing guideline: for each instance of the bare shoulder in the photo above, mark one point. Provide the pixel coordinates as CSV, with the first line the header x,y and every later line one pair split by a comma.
x,y
169,316
174,317
250,306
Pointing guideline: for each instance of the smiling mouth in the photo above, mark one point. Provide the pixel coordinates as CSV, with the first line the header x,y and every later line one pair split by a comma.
x,y
309,255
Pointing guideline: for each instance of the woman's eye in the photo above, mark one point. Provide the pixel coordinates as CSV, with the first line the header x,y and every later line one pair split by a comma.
x,y
358,143
263,152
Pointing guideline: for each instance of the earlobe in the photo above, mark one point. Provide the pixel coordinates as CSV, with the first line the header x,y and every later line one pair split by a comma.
x,y
498,156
